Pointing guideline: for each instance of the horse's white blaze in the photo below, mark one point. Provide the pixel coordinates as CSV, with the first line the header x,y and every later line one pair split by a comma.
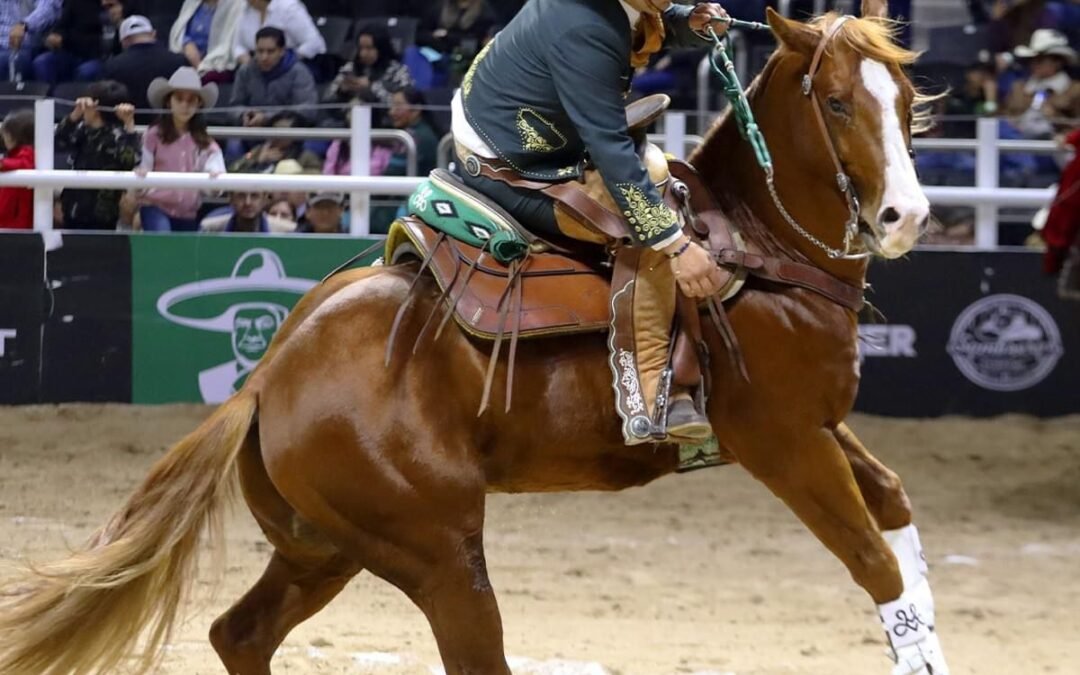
x,y
902,191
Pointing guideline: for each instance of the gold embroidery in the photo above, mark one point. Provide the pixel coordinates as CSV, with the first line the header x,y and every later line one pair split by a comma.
x,y
647,218
566,171
531,139
466,82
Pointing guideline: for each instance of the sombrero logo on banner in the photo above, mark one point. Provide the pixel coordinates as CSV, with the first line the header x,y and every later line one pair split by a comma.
x,y
1005,342
239,305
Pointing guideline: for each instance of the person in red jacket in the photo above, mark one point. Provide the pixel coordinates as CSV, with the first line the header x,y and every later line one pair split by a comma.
x,y
17,204
1062,229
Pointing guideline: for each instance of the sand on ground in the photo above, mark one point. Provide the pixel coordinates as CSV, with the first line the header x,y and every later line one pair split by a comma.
x,y
703,573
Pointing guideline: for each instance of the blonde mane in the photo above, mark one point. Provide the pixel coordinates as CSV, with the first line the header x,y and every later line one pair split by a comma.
x,y
875,38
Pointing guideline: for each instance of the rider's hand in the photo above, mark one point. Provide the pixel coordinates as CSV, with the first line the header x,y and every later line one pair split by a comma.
x,y
704,14
695,270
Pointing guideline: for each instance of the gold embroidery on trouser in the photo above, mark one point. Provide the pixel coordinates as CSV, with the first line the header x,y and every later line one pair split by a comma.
x,y
654,310
653,306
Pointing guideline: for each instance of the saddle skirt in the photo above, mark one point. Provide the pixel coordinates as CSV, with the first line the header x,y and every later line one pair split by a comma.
x,y
558,295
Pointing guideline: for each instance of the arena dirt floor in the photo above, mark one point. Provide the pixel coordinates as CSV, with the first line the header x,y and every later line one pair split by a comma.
x,y
704,573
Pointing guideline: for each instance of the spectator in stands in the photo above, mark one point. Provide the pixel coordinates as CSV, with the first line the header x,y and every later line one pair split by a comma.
x,y
407,113
178,142
339,155
74,46
24,24
274,79
325,214
264,158
457,26
374,75
143,61
1062,229
297,198
98,141
1049,93
246,213
204,33
282,209
291,16
16,203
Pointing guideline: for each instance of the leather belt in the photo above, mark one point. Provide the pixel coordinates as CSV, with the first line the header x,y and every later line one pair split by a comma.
x,y
570,194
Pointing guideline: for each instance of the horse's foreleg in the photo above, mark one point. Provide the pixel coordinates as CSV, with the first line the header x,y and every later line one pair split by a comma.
x,y
880,486
885,496
814,478
246,636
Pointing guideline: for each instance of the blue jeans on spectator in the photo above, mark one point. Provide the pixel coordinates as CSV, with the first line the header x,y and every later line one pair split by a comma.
x,y
24,59
61,66
156,220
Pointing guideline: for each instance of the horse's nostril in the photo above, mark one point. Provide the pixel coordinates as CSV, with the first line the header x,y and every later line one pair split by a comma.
x,y
889,216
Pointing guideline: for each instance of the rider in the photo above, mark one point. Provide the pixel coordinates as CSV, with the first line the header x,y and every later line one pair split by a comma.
x,y
544,102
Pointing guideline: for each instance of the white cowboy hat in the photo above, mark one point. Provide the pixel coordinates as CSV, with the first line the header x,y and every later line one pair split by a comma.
x,y
1047,42
184,79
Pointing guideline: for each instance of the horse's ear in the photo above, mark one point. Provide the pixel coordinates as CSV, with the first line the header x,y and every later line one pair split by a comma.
x,y
875,8
792,34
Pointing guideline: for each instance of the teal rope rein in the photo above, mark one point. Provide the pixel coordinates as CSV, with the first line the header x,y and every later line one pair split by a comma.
x,y
720,57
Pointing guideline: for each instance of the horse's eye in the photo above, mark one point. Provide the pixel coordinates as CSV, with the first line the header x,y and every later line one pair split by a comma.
x,y
836,106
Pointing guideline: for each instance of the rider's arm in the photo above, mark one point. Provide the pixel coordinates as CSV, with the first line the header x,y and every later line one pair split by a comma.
x,y
677,32
588,68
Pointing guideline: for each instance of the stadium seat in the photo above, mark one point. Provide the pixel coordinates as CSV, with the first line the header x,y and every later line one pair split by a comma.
x,y
337,31
163,23
29,90
958,45
439,99
402,29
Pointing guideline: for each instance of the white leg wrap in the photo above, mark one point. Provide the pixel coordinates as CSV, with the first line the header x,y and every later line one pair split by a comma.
x,y
909,620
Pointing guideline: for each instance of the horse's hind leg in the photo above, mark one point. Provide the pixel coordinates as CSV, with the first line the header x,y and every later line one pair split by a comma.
x,y
813,476
304,574
459,603
246,636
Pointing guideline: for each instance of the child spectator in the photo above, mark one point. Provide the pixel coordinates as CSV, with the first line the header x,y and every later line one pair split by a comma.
x,y
16,203
178,142
101,141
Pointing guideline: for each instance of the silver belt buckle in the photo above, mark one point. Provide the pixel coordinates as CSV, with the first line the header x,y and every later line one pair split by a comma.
x,y
472,166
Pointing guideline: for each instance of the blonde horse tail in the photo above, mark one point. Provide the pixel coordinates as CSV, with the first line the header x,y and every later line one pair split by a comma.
x,y
85,614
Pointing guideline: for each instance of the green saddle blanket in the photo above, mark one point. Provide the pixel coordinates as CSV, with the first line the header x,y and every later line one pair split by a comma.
x,y
451,209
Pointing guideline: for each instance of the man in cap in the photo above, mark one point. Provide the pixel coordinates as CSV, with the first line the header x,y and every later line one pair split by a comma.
x,y
544,101
144,59
1050,96
325,214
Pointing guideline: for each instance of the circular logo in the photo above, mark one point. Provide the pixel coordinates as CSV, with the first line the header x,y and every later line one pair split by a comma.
x,y
1005,343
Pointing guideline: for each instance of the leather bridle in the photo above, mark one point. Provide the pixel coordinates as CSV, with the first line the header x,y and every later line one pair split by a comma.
x,y
843,181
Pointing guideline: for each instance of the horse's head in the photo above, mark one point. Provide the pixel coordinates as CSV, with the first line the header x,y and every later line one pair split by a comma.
x,y
869,109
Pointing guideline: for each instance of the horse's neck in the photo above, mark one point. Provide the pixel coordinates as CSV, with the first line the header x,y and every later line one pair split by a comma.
x,y
729,166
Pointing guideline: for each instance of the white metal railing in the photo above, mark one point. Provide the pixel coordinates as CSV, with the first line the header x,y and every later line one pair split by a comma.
x,y
986,197
44,179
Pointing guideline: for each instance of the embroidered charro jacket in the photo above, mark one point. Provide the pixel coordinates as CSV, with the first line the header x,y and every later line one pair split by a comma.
x,y
548,96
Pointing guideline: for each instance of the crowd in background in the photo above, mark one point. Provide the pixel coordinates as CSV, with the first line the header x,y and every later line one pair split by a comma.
x,y
180,66
250,63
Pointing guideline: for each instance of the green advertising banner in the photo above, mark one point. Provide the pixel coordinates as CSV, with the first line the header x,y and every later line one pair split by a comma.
x,y
205,307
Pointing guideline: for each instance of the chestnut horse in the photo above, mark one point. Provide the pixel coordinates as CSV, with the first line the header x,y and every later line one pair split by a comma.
x,y
350,465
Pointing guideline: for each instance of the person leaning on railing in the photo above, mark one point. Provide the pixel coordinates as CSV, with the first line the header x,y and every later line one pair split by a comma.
x,y
17,203
98,141
178,142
